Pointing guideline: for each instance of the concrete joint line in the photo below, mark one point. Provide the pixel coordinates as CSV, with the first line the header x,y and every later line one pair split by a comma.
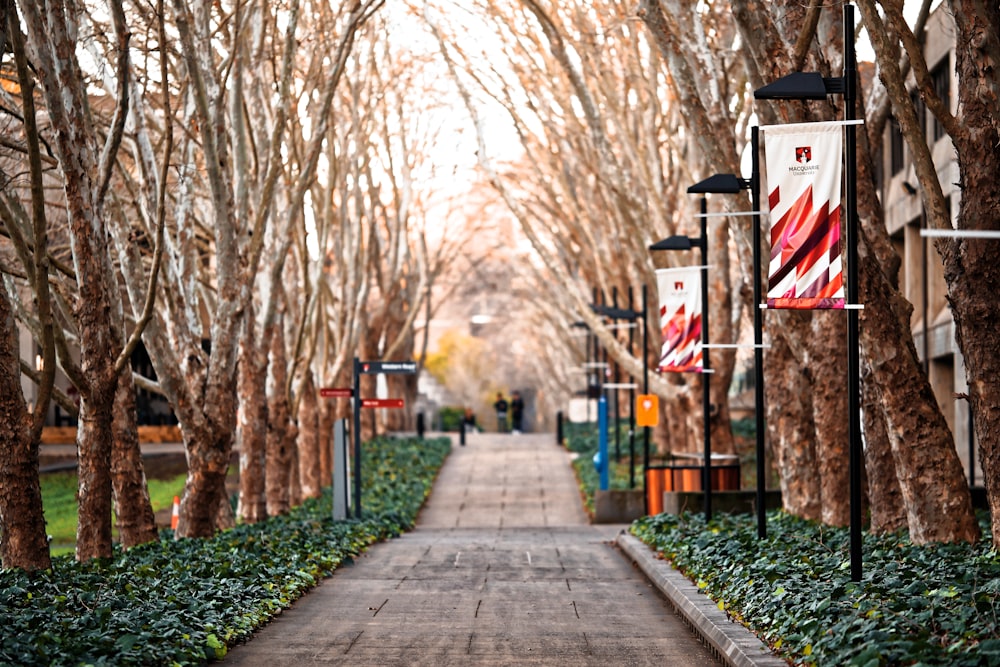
x,y
734,643
379,608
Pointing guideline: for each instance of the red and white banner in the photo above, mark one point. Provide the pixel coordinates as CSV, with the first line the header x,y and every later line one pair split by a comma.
x,y
804,166
680,319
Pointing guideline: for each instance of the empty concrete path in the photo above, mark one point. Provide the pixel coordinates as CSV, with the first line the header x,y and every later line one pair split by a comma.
x,y
502,569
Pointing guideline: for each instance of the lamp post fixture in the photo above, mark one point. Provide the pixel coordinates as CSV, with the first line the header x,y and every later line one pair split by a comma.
x,y
813,86
686,243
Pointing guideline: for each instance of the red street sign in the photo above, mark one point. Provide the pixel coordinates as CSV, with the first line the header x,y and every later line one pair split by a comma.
x,y
336,392
381,402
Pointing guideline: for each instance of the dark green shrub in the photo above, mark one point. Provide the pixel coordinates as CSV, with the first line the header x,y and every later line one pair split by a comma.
x,y
184,602
451,418
915,605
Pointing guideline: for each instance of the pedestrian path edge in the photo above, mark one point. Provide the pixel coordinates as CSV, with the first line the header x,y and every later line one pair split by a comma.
x,y
732,642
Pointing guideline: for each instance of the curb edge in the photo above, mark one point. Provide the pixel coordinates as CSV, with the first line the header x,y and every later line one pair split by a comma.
x,y
735,644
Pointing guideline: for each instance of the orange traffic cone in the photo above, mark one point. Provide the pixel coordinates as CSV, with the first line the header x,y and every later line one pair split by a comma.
x,y
176,516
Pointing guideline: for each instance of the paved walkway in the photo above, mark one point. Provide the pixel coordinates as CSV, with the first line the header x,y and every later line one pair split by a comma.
x,y
502,569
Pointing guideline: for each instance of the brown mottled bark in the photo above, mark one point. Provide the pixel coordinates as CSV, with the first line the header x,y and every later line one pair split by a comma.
x,y
135,519
972,267
789,418
251,430
928,474
23,542
308,439
327,416
827,354
85,167
204,490
294,492
888,513
93,444
278,452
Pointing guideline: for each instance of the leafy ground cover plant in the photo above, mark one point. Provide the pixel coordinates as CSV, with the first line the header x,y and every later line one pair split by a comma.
x,y
582,440
915,605
185,602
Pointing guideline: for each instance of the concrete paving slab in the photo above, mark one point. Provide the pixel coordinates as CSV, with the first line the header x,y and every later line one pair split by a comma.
x,y
502,568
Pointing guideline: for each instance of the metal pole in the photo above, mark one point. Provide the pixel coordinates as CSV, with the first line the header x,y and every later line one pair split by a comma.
x,y
853,333
972,447
357,438
340,479
631,397
603,369
597,357
602,447
615,379
645,390
706,398
758,339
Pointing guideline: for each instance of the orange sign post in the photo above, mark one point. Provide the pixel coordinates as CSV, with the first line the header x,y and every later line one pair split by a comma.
x,y
647,410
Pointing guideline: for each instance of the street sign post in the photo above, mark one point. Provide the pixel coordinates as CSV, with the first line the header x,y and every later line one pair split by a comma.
x,y
372,368
341,498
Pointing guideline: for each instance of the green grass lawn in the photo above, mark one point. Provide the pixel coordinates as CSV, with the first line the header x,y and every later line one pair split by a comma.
x,y
59,502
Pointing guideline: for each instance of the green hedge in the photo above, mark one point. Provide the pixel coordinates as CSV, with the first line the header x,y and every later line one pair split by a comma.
x,y
451,418
915,605
184,602
582,439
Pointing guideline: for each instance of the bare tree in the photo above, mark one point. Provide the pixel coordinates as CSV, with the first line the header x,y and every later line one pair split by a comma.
x,y
593,188
86,167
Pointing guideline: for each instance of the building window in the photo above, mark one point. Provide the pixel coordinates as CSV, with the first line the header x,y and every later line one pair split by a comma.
x,y
921,110
941,80
895,148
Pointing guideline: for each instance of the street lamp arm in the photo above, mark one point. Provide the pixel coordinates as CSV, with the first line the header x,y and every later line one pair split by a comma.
x,y
616,313
802,86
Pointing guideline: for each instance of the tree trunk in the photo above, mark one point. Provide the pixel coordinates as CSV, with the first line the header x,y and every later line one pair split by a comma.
x,y
935,493
294,492
327,417
93,441
251,430
826,361
972,267
208,451
308,440
278,456
135,519
85,171
23,541
789,420
888,513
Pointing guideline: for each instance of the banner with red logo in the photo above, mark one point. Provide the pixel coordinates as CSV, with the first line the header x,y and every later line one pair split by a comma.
x,y
680,319
804,166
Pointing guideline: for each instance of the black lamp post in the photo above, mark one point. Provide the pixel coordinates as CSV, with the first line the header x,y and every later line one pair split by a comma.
x,y
813,86
629,315
686,243
732,184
